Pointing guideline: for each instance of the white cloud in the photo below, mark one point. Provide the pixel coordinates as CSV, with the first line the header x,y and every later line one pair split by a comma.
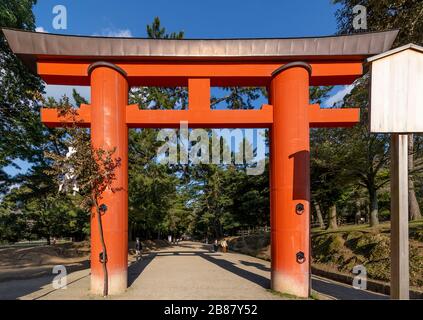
x,y
40,29
121,33
57,91
339,96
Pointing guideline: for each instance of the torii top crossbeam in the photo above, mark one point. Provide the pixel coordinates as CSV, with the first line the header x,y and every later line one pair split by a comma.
x,y
287,67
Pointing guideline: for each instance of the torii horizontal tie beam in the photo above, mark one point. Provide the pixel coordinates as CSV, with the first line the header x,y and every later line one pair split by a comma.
x,y
262,118
177,74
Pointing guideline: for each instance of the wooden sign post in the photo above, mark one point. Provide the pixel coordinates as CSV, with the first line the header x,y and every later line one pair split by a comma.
x,y
399,217
397,108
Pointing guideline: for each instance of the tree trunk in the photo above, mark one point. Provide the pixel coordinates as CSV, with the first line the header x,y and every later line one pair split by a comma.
x,y
319,215
358,212
332,223
413,205
414,208
374,208
104,250
366,213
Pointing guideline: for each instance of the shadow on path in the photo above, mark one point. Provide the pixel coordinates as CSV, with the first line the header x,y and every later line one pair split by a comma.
x,y
201,246
231,267
137,267
18,287
257,265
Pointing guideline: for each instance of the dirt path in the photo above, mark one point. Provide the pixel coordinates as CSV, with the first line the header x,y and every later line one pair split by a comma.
x,y
186,271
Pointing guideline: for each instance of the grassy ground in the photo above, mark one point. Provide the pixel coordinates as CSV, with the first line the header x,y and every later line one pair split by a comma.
x,y
415,229
348,246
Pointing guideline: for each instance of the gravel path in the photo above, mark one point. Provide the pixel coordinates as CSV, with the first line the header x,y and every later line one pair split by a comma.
x,y
186,271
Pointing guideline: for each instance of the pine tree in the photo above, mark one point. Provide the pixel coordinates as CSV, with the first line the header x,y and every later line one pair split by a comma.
x,y
407,17
20,131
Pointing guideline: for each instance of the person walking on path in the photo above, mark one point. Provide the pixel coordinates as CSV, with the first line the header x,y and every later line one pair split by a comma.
x,y
224,245
215,245
138,249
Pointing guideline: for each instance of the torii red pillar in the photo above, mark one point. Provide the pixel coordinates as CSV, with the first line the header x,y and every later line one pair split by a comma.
x,y
109,131
290,179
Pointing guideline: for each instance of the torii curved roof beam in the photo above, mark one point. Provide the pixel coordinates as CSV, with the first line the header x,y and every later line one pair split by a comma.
x,y
64,59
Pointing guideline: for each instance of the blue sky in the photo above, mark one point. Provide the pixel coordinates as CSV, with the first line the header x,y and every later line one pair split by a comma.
x,y
197,18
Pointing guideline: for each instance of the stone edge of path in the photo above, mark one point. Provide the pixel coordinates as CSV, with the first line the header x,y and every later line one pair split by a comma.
x,y
372,285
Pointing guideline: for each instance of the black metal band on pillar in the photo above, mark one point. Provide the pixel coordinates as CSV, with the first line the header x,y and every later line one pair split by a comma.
x,y
94,65
302,64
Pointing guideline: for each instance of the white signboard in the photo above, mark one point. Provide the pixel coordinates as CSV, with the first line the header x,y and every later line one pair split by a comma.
x,y
397,91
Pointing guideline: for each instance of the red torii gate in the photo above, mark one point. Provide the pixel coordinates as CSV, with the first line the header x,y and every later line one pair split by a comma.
x,y
287,67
